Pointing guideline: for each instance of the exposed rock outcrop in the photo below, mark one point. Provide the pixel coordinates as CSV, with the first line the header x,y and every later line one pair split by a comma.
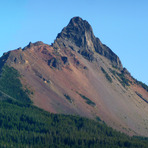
x,y
78,35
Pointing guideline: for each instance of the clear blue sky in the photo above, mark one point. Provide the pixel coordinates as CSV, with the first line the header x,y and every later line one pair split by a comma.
x,y
120,24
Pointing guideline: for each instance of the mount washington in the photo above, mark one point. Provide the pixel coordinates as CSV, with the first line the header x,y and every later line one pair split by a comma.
x,y
79,75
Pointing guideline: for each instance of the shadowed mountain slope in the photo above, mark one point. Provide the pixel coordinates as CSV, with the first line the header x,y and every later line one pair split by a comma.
x,y
79,75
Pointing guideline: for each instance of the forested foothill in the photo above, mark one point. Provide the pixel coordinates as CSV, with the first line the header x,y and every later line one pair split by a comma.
x,y
24,125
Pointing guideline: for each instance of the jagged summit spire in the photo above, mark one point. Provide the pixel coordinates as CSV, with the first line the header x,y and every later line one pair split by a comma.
x,y
78,32
78,36
76,19
79,23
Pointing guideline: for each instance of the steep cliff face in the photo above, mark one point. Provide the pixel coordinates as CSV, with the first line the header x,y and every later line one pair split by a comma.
x,y
78,35
79,75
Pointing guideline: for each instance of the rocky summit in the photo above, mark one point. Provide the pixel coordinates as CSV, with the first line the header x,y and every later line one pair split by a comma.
x,y
79,36
79,75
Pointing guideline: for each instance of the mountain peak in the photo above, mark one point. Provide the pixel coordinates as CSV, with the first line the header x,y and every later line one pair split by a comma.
x,y
78,36
76,19
79,23
76,31
80,75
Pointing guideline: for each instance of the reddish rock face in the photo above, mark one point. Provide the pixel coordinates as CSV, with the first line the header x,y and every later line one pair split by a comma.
x,y
79,75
